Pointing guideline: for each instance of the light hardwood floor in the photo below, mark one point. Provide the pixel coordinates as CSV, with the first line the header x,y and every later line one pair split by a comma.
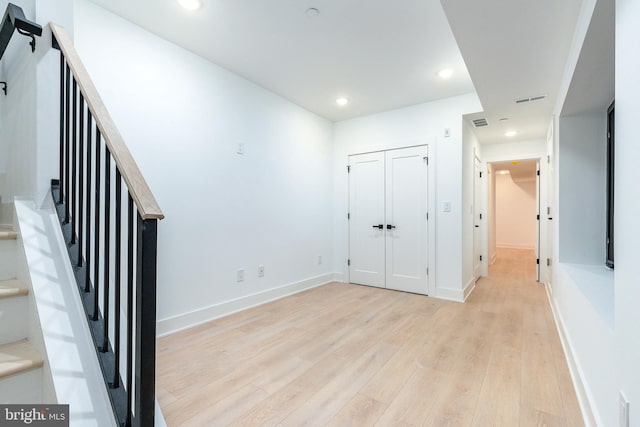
x,y
348,355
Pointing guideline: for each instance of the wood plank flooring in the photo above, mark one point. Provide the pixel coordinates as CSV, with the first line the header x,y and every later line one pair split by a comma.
x,y
348,355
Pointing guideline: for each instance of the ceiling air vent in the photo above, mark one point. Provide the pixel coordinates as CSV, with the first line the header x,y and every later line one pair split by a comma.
x,y
480,122
531,99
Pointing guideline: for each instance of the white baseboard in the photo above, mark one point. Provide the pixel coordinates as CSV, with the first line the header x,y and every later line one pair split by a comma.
x,y
457,295
574,367
508,246
188,320
470,287
493,258
449,294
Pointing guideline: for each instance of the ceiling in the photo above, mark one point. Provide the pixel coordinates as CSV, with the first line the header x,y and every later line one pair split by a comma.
x,y
382,55
519,170
514,49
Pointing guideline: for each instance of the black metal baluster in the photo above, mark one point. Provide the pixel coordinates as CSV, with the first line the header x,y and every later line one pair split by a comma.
x,y
81,184
146,321
130,272
107,249
87,270
96,247
61,174
67,101
118,271
74,166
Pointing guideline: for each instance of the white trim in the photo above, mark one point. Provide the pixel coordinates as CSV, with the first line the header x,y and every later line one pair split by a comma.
x,y
188,320
449,294
501,246
493,258
585,397
66,344
469,288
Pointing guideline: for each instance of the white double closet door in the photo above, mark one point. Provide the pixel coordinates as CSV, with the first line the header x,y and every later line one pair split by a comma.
x,y
388,219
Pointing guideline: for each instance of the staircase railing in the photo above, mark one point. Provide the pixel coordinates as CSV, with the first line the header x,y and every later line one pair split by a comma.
x,y
109,219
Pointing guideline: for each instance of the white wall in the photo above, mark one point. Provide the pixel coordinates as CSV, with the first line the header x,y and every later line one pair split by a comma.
x,y
627,232
582,207
29,112
581,288
414,125
516,225
470,149
183,119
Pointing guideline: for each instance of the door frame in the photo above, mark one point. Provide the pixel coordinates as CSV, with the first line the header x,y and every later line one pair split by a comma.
x,y
431,203
543,241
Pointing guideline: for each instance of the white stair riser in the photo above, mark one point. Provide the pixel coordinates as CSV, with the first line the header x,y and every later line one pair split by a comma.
x,y
25,387
7,259
13,318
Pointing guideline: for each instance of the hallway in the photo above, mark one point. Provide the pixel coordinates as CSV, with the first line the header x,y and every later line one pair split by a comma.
x,y
358,356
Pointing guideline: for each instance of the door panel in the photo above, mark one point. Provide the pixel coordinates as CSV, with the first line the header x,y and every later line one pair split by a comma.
x,y
406,210
366,208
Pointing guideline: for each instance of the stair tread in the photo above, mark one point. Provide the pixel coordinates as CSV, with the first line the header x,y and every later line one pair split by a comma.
x,y
7,233
12,288
19,356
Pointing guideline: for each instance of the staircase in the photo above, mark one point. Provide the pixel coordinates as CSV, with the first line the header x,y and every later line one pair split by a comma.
x,y
20,362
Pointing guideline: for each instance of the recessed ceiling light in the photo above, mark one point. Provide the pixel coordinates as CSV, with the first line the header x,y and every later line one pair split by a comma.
x,y
445,73
191,4
342,101
502,172
511,133
312,11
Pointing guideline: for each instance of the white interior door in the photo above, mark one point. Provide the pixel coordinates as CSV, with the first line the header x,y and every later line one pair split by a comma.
x,y
406,219
477,219
366,222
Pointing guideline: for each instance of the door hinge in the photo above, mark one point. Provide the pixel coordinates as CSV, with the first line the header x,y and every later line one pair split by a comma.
x,y
480,257
427,216
548,159
426,159
427,271
538,172
348,216
480,216
348,262
480,174
348,168
537,261
538,217
548,262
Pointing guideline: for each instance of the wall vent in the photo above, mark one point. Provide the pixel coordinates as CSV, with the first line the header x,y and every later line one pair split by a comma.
x,y
531,99
480,122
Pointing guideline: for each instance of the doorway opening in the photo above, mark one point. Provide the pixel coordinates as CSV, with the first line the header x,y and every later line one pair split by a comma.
x,y
514,212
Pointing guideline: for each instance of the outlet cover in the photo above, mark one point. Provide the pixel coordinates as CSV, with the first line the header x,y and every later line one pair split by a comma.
x,y
261,271
240,275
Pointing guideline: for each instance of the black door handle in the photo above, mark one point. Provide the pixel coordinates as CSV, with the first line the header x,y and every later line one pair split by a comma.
x,y
477,226
390,227
380,226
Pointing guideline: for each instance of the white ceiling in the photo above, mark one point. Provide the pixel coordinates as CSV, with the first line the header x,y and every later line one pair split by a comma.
x,y
514,49
519,170
382,54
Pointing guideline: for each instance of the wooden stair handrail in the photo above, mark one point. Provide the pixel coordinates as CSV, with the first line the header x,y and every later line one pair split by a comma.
x,y
138,188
